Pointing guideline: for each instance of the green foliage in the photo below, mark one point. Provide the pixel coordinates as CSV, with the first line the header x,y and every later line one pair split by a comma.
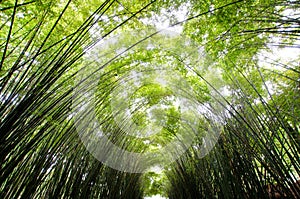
x,y
45,44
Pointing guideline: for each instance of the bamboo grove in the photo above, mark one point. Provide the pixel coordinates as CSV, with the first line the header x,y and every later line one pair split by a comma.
x,y
235,63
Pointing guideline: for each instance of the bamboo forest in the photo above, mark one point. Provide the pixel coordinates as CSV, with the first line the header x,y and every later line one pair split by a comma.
x,y
154,99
